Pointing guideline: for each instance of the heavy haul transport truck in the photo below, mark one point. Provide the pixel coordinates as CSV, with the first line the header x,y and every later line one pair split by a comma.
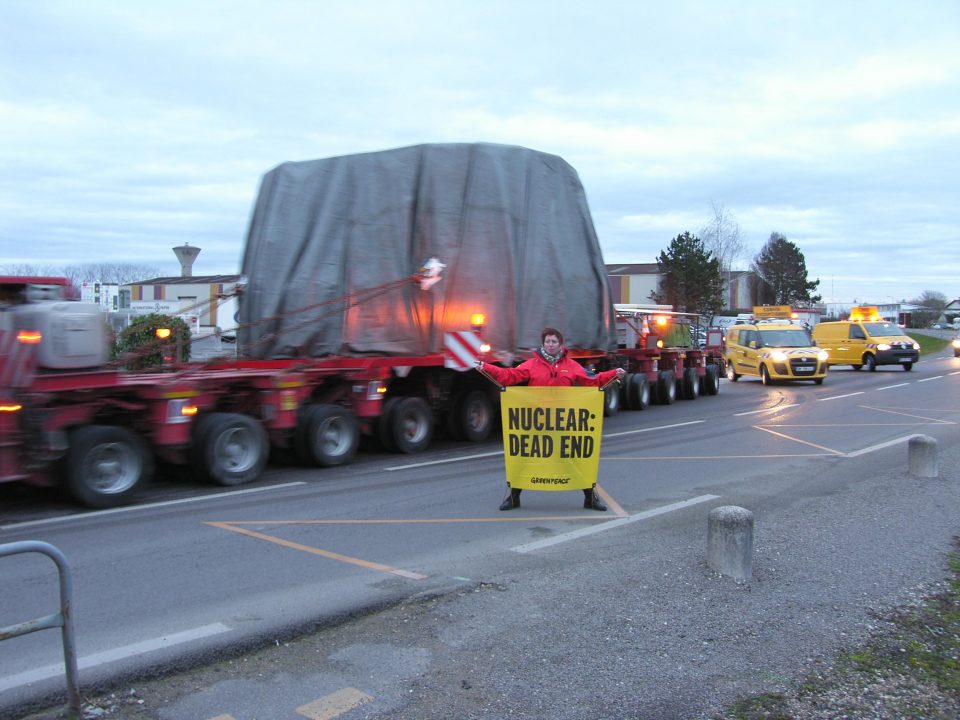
x,y
373,283
657,347
513,231
66,415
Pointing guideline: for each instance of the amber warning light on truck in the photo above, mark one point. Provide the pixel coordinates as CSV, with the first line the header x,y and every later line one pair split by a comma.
x,y
865,314
29,337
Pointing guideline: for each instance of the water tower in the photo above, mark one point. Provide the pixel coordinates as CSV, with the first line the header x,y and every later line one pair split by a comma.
x,y
186,255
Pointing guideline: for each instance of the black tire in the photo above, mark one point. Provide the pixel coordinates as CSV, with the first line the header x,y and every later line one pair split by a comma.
x,y
765,375
474,416
611,400
384,428
818,381
326,435
411,425
105,465
711,381
626,397
731,373
666,388
856,367
639,391
908,366
229,448
870,362
690,386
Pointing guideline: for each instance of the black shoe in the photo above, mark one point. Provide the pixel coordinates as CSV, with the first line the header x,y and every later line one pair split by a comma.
x,y
593,502
512,500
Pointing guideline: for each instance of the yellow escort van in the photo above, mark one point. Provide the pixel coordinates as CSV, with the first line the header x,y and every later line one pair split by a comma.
x,y
866,340
773,350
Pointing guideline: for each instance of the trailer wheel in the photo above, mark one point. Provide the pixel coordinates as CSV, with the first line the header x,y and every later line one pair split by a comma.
x,y
473,416
666,388
229,448
384,429
327,435
626,401
611,400
711,381
410,424
691,384
639,392
105,465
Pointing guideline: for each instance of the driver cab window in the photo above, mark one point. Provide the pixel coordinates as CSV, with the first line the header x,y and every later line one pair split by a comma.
x,y
856,333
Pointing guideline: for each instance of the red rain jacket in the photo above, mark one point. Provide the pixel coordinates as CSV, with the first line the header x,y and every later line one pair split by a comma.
x,y
537,371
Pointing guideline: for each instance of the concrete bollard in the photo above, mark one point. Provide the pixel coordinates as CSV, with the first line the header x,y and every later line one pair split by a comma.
x,y
922,456
730,542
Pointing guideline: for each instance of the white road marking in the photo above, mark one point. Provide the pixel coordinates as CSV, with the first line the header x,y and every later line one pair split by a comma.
x,y
935,377
766,410
881,446
887,387
120,653
566,537
837,397
131,508
447,460
651,429
500,452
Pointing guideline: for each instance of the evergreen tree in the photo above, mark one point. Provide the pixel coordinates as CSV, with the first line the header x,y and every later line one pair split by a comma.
x,y
783,271
691,277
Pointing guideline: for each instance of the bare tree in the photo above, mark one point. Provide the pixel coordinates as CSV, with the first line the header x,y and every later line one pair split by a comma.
x,y
26,269
721,237
931,304
113,273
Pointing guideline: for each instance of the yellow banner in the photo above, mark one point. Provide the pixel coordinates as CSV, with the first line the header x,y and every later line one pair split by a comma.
x,y
772,312
551,436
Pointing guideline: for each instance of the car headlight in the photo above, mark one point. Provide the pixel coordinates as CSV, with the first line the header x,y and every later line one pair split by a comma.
x,y
883,347
822,356
916,346
778,356
956,343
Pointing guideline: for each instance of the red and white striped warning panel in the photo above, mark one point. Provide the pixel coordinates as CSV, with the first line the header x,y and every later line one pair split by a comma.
x,y
461,350
17,361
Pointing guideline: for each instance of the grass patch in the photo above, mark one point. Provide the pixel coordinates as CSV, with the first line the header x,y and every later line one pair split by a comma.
x,y
929,343
911,670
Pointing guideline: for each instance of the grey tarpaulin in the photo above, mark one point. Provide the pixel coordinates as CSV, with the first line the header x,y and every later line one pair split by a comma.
x,y
511,224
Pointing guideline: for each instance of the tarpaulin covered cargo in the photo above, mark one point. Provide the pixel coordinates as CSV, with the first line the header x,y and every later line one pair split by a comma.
x,y
511,225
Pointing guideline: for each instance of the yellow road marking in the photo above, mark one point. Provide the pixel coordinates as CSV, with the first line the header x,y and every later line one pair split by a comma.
x,y
323,553
409,521
611,503
337,703
721,457
802,442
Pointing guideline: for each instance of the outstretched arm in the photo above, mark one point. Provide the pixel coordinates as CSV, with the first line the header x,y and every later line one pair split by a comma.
x,y
601,379
505,376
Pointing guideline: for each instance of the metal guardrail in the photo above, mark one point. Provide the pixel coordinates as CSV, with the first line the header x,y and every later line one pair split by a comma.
x,y
62,620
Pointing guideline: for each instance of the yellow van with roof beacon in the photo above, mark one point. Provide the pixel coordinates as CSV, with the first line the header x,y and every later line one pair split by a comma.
x,y
773,348
866,340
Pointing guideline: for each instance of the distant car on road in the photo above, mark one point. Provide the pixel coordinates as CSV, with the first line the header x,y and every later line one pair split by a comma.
x,y
956,345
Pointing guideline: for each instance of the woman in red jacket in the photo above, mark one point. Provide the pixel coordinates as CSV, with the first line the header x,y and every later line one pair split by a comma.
x,y
550,366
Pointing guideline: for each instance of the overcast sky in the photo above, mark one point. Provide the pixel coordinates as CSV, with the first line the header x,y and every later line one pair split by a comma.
x,y
129,127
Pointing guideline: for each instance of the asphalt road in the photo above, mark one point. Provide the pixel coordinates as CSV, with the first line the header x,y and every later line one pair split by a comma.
x,y
431,603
